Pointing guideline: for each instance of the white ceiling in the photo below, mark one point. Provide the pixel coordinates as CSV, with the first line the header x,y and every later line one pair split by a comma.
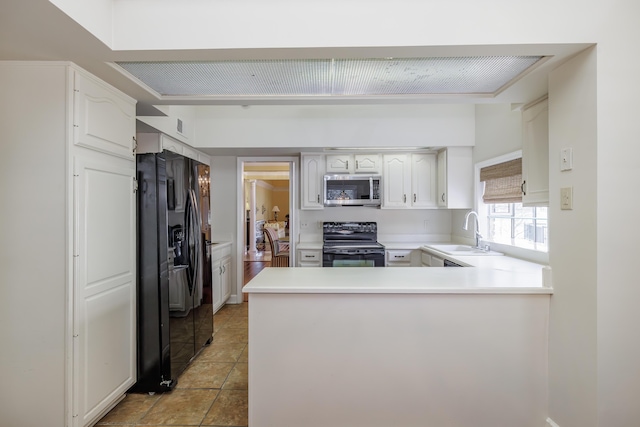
x,y
37,30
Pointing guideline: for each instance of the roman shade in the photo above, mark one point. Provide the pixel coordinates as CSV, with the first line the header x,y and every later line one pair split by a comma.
x,y
502,182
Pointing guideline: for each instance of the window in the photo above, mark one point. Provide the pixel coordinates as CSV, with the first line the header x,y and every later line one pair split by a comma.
x,y
503,218
516,225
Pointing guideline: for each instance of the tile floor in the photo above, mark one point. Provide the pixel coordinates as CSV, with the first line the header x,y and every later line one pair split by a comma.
x,y
212,391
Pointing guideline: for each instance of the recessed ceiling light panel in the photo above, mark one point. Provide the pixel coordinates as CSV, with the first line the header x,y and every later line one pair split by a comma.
x,y
331,77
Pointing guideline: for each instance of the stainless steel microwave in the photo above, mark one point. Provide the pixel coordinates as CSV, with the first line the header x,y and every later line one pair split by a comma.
x,y
352,190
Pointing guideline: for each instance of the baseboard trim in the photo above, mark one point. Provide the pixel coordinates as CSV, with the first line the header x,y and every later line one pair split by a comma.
x,y
550,423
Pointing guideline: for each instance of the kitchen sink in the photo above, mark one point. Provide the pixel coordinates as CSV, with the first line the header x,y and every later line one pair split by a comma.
x,y
463,250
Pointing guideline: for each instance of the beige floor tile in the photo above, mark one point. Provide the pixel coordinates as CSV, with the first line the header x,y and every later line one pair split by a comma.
x,y
180,407
230,335
237,322
219,321
238,378
203,374
131,409
244,356
223,352
231,408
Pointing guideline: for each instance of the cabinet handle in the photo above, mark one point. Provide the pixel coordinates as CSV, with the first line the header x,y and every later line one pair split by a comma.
x,y
347,164
318,198
309,256
356,165
414,197
404,198
442,197
522,188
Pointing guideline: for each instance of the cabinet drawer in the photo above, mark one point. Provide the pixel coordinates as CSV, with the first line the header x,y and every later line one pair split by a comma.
x,y
398,258
310,255
401,256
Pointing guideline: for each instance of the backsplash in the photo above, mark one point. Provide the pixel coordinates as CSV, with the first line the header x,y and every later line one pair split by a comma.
x,y
393,224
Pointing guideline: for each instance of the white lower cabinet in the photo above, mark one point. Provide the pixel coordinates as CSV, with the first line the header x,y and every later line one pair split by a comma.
x,y
220,274
437,261
425,259
398,258
309,258
72,262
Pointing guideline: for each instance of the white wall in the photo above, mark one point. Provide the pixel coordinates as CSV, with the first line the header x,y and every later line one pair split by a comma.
x,y
498,131
335,126
572,254
96,16
618,175
224,202
33,257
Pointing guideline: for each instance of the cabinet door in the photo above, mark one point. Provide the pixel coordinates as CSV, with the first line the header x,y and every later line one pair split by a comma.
x,y
397,181
104,283
423,181
367,163
103,119
312,182
442,178
226,279
216,283
339,163
535,155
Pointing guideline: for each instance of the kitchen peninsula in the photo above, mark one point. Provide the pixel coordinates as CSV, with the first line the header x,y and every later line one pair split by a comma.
x,y
397,346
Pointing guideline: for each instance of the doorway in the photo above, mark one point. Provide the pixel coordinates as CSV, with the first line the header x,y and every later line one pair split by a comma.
x,y
267,198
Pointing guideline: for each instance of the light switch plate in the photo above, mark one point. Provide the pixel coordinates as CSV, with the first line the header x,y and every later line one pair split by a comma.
x,y
566,159
566,198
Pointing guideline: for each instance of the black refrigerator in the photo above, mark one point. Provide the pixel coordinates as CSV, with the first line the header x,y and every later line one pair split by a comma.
x,y
175,304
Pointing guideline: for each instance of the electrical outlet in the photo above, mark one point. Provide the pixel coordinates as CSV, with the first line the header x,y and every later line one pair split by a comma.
x,y
304,225
566,198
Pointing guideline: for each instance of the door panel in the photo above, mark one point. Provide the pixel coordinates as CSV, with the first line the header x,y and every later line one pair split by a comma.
x,y
104,283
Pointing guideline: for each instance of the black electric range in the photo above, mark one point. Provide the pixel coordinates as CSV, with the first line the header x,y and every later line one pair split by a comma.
x,y
351,244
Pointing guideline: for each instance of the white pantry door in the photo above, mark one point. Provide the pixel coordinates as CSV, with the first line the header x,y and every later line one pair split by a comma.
x,y
104,283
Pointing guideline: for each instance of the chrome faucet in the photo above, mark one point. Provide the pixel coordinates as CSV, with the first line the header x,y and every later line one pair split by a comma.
x,y
466,227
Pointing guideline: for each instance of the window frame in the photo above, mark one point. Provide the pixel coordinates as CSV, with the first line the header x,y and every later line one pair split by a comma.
x,y
534,255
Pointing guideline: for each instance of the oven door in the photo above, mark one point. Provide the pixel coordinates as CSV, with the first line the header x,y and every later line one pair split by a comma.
x,y
353,260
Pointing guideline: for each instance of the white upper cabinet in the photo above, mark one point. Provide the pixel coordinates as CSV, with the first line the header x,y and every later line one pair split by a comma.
x,y
535,155
455,178
397,180
409,180
367,163
103,118
311,181
353,163
423,181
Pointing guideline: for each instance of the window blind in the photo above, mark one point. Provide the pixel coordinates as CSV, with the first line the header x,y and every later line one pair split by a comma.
x,y
502,182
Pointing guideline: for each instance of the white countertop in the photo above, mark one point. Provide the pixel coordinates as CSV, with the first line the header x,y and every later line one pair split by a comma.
x,y
421,280
309,245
